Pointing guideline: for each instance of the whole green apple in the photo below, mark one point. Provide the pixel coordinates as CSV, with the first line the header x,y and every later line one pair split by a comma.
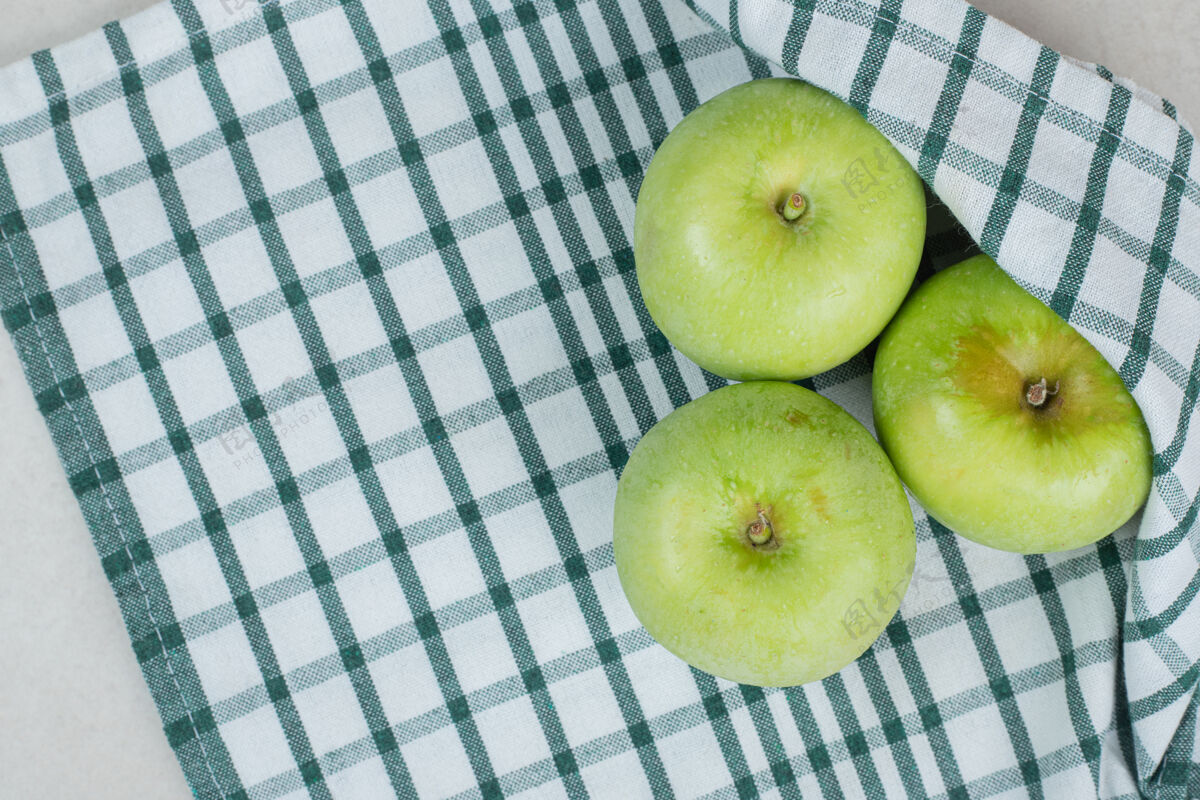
x,y
761,535
1004,422
776,232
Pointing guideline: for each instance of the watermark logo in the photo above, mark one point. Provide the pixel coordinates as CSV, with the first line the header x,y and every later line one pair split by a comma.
x,y
234,6
241,444
864,615
858,179
285,423
928,589
869,179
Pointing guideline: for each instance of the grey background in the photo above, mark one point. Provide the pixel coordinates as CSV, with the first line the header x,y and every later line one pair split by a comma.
x,y
76,720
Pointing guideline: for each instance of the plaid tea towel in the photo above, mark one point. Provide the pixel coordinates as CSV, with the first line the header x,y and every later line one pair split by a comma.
x,y
330,308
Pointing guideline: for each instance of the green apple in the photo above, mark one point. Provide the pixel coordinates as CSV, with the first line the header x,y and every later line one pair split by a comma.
x,y
1004,422
761,535
776,232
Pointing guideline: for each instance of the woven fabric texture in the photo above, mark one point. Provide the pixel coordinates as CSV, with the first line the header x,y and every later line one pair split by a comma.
x,y
331,311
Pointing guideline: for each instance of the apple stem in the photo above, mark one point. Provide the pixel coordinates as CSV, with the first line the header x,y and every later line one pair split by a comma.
x,y
760,531
1036,394
794,207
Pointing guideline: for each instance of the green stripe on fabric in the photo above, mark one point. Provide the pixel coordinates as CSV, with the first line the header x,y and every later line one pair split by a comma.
x,y
816,752
951,96
471,608
1086,731
1005,779
1167,644
1010,780
735,24
479,700
1062,301
1177,776
599,196
1139,628
1040,196
1013,177
852,735
923,39
1128,247
247,607
686,96
1133,368
1134,365
407,441
900,635
1109,556
883,30
633,62
384,517
893,727
604,205
717,713
499,589
989,657
331,279
420,243
283,111
79,438
754,62
1121,720
310,772
1012,88
929,709
174,61
759,67
1155,702
1166,459
671,722
672,58
782,774
320,284
597,405
797,32
181,730
389,316
1152,548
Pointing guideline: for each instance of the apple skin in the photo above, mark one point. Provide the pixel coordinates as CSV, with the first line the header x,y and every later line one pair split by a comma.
x,y
733,285
949,389
842,534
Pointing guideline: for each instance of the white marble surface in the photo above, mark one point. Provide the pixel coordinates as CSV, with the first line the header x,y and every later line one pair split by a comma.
x,y
76,719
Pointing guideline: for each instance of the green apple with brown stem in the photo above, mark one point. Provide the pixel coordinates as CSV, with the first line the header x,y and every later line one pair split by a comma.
x,y
776,232
1006,424
761,535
